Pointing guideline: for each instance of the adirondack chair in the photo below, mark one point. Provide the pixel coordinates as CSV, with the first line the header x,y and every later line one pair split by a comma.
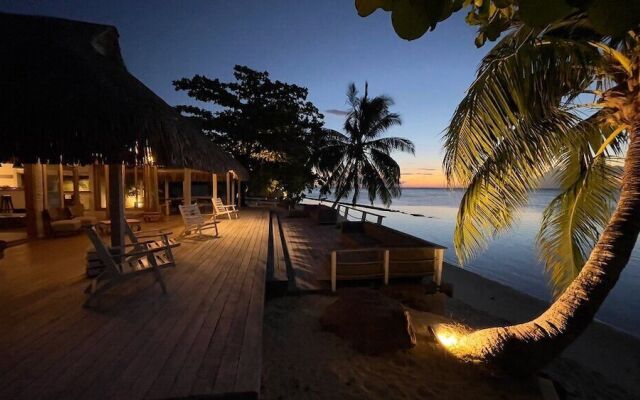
x,y
139,241
119,268
151,240
219,208
194,221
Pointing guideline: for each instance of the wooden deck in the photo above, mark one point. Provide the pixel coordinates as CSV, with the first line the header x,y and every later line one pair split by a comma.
x,y
203,338
309,246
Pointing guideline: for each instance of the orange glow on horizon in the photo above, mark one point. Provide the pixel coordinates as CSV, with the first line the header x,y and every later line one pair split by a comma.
x,y
423,178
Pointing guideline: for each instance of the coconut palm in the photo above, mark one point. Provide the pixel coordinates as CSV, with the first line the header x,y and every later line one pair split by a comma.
x,y
361,158
564,100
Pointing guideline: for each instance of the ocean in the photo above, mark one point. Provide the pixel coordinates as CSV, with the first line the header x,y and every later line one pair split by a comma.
x,y
512,258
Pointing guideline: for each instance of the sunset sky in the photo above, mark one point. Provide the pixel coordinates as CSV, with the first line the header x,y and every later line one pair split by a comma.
x,y
322,45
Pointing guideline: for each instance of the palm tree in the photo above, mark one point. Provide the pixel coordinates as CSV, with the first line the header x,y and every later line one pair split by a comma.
x,y
361,158
563,100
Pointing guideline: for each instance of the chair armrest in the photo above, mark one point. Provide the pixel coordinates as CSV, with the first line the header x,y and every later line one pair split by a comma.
x,y
163,234
139,253
149,231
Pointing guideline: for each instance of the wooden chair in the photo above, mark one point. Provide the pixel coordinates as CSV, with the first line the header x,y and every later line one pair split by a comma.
x,y
219,208
139,241
154,240
195,221
122,266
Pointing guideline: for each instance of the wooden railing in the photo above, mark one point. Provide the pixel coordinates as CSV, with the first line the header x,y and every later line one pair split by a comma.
x,y
346,212
358,259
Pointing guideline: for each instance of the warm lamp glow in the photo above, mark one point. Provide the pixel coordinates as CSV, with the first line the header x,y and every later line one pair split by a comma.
x,y
447,339
449,336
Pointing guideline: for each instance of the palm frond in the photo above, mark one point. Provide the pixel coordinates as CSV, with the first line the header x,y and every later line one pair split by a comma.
x,y
387,144
512,92
500,186
572,222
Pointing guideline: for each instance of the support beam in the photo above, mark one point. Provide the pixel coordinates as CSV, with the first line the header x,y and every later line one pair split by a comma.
x,y
95,186
116,204
34,199
61,184
186,187
228,193
107,191
154,194
76,185
239,194
167,208
214,188
233,190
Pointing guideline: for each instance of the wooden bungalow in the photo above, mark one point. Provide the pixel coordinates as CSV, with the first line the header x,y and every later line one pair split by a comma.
x,y
77,127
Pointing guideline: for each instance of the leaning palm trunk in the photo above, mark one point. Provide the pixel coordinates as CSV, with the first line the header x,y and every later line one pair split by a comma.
x,y
529,346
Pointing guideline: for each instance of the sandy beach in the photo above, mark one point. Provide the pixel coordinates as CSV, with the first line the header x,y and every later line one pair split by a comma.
x,y
302,361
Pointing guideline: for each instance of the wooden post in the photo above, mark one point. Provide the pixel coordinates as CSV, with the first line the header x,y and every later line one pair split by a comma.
x,y
150,176
228,178
76,185
380,219
233,190
186,187
239,194
214,187
154,194
61,184
135,186
116,205
364,215
437,267
107,191
34,199
95,186
166,195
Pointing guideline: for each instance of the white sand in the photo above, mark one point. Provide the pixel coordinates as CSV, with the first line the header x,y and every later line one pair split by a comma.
x,y
303,362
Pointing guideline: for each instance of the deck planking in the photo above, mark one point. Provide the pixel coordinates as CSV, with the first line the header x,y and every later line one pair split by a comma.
x,y
309,245
203,338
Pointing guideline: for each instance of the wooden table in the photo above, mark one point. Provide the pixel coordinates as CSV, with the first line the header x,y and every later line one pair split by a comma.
x,y
105,226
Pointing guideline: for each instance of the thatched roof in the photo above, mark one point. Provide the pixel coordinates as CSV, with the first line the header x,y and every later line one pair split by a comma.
x,y
67,93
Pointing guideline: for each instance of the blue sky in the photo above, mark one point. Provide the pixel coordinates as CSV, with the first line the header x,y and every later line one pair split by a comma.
x,y
322,45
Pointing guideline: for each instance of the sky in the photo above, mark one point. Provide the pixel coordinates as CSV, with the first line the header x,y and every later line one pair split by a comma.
x,y
322,45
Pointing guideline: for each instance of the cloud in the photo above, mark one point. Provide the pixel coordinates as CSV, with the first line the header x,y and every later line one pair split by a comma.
x,y
337,112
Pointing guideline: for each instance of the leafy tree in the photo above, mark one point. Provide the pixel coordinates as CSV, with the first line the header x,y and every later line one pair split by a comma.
x,y
269,126
361,158
525,116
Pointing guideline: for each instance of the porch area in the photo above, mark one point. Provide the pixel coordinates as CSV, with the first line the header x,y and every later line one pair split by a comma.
x,y
203,338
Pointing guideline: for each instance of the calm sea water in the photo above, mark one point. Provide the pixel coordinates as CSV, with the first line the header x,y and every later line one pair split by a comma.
x,y
512,258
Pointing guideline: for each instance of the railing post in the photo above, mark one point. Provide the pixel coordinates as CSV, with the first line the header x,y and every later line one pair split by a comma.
x,y
380,219
364,216
334,266
346,213
386,266
437,267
